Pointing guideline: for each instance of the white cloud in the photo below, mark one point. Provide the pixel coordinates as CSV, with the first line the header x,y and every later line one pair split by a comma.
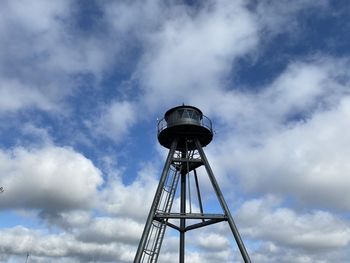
x,y
187,54
197,249
71,221
59,247
24,29
61,182
38,16
133,200
46,40
38,135
135,18
315,230
115,120
42,52
270,253
302,89
191,57
105,230
15,95
291,136
213,241
50,178
305,87
309,155
192,53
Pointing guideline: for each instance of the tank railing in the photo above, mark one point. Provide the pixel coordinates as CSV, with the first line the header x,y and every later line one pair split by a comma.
x,y
204,122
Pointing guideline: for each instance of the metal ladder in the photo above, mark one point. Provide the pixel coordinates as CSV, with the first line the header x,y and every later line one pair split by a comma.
x,y
155,238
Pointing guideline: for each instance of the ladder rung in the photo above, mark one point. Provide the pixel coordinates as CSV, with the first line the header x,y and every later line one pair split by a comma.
x,y
156,226
148,252
166,189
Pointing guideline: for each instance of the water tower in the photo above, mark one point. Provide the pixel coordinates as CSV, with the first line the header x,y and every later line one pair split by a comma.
x,y
184,130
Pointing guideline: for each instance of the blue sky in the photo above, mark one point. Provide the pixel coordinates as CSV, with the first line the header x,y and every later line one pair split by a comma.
x,y
82,84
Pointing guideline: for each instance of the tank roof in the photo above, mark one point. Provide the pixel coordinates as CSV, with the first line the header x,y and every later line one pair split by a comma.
x,y
183,107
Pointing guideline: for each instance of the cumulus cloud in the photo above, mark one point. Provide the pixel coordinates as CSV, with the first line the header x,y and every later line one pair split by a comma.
x,y
317,232
37,17
40,59
60,247
115,120
291,137
213,241
116,197
23,50
310,155
305,87
68,220
15,95
63,185
105,230
270,253
191,54
126,17
198,249
288,137
50,178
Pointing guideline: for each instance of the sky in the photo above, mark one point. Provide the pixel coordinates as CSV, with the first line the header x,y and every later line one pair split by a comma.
x,y
83,83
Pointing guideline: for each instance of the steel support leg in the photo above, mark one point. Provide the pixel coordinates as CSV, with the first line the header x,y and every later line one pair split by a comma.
x,y
155,203
223,204
182,211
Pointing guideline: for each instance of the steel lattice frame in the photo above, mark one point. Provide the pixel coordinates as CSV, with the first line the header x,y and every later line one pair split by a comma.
x,y
184,163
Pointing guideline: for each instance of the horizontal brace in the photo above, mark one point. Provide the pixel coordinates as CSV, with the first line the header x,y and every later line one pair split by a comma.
x,y
185,160
167,223
186,169
189,216
205,223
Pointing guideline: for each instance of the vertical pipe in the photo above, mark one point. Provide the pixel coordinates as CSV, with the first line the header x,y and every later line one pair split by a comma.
x,y
155,203
182,211
223,204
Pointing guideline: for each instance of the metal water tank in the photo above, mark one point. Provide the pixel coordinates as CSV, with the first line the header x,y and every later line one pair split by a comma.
x,y
184,123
